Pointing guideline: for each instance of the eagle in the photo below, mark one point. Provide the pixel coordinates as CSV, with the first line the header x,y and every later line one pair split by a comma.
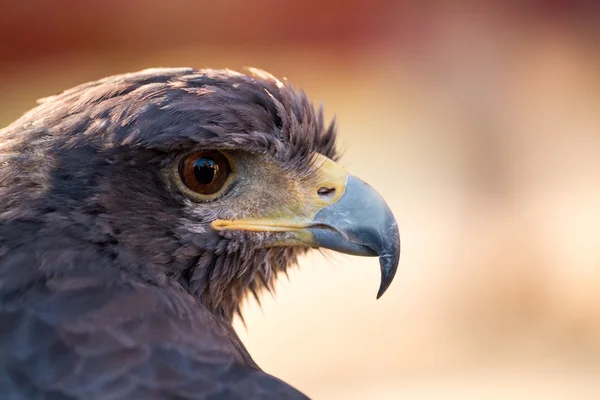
x,y
138,213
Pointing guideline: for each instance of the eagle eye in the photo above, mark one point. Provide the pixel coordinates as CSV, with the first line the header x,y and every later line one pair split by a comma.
x,y
205,172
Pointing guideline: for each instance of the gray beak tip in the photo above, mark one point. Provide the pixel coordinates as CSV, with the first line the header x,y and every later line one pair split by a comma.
x,y
389,265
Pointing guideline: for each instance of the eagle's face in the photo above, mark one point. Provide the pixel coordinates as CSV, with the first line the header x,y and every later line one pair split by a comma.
x,y
211,179
249,212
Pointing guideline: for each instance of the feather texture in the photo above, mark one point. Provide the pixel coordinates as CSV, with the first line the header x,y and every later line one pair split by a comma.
x,y
112,285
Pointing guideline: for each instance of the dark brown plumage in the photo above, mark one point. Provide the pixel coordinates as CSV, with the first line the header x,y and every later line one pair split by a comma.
x,y
115,279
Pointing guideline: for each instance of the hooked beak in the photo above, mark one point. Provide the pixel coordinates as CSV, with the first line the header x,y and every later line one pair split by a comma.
x,y
349,217
361,223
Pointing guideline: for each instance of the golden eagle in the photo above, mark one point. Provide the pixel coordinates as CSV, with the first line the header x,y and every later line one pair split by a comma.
x,y
136,214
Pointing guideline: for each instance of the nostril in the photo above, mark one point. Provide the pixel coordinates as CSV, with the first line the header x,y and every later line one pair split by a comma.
x,y
326,192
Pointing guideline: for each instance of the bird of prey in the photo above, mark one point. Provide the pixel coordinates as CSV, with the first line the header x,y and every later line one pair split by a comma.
x,y
138,212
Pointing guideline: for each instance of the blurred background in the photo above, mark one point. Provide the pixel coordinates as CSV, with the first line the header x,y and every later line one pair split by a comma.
x,y
478,121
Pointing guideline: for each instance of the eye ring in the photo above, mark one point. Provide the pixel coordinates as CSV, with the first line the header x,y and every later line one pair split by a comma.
x,y
204,175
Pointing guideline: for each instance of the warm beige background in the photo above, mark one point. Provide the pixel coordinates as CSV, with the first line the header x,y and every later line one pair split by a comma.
x,y
479,124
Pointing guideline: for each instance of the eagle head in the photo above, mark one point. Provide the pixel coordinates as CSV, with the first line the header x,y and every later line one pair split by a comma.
x,y
208,179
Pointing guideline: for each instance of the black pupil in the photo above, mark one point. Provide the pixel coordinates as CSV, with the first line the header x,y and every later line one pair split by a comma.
x,y
205,170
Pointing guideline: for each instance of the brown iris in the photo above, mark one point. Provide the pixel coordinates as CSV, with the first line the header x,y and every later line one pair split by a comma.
x,y
205,172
